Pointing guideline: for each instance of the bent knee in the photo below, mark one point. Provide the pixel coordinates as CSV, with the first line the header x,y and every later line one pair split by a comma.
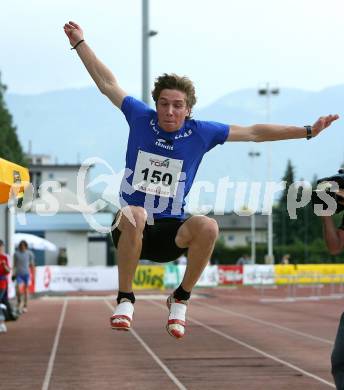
x,y
210,228
132,218
205,228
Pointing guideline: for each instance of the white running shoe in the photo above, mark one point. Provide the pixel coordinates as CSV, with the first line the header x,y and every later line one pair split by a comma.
x,y
123,315
3,328
176,319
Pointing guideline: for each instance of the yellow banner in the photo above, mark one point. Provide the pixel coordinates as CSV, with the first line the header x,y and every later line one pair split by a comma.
x,y
309,273
149,277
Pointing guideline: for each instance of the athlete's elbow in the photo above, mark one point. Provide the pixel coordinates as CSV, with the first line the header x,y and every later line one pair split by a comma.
x,y
255,134
103,88
109,89
257,138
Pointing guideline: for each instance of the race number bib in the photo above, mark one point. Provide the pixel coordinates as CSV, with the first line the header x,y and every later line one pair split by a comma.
x,y
156,175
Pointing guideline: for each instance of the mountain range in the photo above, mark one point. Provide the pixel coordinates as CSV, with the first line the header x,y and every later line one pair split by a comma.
x,y
72,125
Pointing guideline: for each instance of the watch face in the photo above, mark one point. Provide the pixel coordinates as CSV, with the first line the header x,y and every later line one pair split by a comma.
x,y
309,132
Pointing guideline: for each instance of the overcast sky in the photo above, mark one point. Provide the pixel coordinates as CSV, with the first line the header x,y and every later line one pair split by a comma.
x,y
222,45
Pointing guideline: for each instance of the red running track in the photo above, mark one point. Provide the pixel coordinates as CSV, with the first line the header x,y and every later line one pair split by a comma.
x,y
233,341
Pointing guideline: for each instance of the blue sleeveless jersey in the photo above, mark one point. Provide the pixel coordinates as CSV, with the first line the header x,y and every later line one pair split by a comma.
x,y
161,166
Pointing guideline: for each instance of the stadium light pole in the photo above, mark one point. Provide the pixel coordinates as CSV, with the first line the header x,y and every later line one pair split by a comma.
x,y
252,154
146,34
267,91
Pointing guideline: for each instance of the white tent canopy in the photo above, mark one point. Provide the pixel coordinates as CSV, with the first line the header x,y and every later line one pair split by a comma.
x,y
35,242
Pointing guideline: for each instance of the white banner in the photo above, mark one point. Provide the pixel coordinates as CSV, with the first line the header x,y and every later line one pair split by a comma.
x,y
57,278
259,274
209,277
172,277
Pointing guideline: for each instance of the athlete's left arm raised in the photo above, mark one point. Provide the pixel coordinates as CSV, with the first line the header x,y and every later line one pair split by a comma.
x,y
269,132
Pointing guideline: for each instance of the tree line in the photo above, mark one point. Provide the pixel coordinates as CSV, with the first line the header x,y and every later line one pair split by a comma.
x,y
302,237
10,147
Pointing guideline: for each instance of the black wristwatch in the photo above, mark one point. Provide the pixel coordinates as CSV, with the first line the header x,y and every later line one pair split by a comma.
x,y
309,132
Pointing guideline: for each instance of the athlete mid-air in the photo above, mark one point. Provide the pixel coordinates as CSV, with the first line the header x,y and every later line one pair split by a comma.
x,y
165,148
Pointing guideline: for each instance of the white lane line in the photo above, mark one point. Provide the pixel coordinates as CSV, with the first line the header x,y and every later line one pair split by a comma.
x,y
139,297
301,299
257,350
168,372
271,324
49,371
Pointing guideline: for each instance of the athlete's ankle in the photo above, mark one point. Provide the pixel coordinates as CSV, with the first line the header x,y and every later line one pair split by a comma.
x,y
125,295
181,295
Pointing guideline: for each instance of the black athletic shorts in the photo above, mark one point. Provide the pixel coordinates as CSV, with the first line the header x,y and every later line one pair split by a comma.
x,y
158,242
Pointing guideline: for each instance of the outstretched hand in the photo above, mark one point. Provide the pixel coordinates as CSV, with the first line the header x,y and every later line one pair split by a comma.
x,y
322,123
74,32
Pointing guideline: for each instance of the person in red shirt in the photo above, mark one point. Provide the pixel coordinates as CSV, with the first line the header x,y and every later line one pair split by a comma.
x,y
4,271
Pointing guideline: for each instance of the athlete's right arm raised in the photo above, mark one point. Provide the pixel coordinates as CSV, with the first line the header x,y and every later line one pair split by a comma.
x,y
102,76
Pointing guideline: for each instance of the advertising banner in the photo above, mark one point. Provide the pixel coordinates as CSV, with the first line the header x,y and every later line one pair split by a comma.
x,y
57,278
309,273
149,277
230,274
172,277
285,273
259,274
209,277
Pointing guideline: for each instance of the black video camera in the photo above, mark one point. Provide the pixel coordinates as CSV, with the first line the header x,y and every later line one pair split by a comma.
x,y
329,186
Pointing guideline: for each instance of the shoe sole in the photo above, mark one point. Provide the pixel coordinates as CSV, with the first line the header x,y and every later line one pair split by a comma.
x,y
122,326
121,329
175,335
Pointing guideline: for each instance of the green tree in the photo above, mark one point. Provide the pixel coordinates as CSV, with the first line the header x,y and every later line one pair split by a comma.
x,y
309,226
10,148
291,235
284,227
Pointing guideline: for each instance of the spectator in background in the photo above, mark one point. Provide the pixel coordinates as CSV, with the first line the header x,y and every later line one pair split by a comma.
x,y
62,257
244,259
285,259
4,271
23,260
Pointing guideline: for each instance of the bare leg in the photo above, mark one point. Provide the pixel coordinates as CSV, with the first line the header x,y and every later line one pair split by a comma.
x,y
18,294
199,234
129,247
26,294
128,254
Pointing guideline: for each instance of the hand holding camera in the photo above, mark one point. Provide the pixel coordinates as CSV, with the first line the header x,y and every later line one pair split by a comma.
x,y
333,187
